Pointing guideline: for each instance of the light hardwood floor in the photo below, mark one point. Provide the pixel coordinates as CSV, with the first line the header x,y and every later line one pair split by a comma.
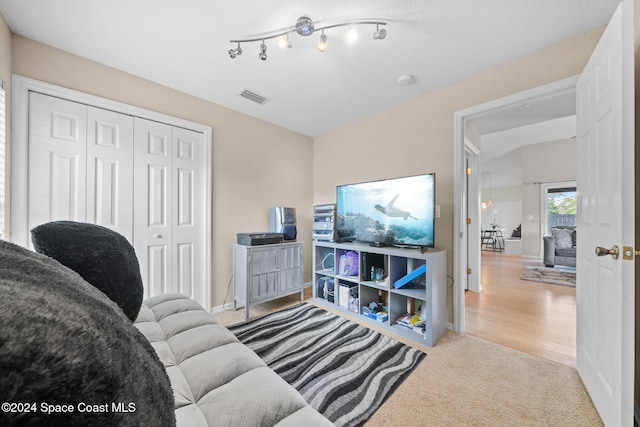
x,y
532,317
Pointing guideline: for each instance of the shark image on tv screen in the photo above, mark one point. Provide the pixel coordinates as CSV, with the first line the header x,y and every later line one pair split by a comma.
x,y
398,211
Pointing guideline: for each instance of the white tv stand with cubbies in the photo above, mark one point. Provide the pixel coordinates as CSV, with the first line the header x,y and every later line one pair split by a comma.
x,y
430,287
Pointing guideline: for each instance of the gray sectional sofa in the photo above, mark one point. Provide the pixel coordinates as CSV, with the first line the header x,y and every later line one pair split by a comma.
x,y
560,247
71,353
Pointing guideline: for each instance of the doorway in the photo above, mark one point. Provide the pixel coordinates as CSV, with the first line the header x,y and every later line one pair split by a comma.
x,y
464,249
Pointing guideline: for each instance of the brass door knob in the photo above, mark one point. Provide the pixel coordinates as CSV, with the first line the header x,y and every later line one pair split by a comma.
x,y
614,251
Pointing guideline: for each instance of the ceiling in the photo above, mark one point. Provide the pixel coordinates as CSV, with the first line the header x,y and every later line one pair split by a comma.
x,y
183,45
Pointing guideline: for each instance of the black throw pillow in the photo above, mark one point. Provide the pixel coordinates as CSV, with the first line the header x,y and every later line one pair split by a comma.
x,y
68,354
101,256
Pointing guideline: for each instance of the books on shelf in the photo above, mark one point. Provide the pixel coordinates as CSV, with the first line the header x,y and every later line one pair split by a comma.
x,y
411,321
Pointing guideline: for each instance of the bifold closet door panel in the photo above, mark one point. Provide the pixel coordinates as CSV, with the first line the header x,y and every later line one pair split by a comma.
x,y
110,170
188,212
152,239
168,205
57,160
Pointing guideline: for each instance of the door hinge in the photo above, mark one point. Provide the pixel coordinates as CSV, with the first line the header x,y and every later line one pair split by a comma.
x,y
468,171
468,221
468,271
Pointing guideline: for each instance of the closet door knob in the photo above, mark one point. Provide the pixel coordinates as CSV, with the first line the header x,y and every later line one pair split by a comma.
x,y
157,236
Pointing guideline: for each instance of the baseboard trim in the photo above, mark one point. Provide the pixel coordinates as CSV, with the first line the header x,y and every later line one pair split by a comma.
x,y
450,326
229,306
220,308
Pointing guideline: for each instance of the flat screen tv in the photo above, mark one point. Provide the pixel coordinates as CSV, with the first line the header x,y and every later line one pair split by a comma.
x,y
390,212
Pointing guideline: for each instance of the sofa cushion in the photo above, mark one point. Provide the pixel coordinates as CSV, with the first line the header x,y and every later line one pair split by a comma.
x,y
63,342
101,256
566,252
563,238
216,379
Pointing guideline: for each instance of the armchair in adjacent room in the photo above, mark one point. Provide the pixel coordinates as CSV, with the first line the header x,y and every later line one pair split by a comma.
x,y
560,247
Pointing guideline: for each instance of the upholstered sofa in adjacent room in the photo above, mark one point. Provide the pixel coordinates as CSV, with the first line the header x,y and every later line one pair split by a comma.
x,y
560,247
67,340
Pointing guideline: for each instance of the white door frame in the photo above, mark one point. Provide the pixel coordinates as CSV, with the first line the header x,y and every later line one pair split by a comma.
x,y
550,90
21,86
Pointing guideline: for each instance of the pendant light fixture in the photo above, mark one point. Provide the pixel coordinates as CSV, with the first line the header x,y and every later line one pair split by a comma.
x,y
485,204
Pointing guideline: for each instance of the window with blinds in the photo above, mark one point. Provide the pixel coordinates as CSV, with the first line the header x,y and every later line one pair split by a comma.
x,y
2,160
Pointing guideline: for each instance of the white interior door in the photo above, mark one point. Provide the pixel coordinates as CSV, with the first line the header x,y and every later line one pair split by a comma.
x,y
110,170
169,197
188,202
472,207
57,160
152,222
605,287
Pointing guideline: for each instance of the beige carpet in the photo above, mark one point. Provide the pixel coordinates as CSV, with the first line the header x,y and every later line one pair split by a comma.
x,y
466,381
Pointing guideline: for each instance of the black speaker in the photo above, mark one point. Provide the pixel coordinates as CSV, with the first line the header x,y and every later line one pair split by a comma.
x,y
283,220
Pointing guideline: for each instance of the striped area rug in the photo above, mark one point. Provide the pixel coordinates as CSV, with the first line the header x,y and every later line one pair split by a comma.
x,y
343,369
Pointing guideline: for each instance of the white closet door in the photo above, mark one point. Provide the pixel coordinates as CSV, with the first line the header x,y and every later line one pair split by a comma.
x,y
188,210
144,179
110,170
57,160
153,151
169,212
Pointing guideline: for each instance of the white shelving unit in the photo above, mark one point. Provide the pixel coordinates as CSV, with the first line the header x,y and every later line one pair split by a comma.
x,y
428,288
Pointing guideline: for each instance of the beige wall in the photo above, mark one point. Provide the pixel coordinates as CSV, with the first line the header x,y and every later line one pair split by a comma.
x,y
416,137
249,174
560,164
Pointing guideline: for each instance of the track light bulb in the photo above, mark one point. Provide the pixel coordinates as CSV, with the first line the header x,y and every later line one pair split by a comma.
x,y
379,34
322,46
284,42
263,51
352,35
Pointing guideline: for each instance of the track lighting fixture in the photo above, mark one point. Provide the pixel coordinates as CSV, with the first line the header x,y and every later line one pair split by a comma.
x,y
263,51
235,52
322,46
379,34
305,27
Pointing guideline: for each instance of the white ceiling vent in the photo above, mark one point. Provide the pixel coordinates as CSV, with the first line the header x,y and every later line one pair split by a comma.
x,y
252,96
